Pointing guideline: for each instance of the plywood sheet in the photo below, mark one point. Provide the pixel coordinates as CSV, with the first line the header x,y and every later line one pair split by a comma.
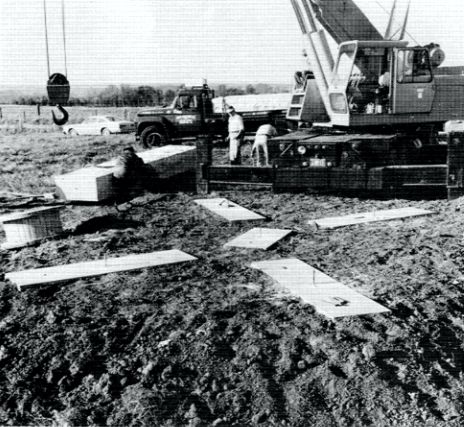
x,y
229,210
91,184
79,270
329,297
258,238
95,184
361,218
168,160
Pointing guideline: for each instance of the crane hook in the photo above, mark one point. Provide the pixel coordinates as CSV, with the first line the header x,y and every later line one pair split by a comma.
x,y
64,119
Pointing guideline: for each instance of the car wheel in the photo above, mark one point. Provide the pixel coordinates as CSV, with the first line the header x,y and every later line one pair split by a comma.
x,y
72,132
105,132
152,137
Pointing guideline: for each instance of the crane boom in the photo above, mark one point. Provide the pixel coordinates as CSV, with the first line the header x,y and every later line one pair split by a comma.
x,y
344,21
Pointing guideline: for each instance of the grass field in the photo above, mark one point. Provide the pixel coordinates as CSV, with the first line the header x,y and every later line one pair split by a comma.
x,y
28,114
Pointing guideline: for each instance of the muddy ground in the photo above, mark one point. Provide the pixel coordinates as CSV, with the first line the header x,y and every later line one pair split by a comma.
x,y
215,342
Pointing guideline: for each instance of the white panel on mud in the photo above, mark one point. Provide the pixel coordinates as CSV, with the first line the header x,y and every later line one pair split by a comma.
x,y
229,210
258,238
79,270
361,218
329,297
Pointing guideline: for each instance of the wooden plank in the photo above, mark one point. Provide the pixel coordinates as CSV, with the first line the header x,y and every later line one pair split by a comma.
x,y
329,297
168,160
229,210
258,238
80,270
31,226
95,184
365,217
91,184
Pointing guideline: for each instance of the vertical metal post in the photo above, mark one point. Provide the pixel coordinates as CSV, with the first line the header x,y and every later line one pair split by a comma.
x,y
204,145
455,175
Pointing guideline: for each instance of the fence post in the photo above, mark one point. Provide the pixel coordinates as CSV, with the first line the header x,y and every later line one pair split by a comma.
x,y
38,110
20,122
126,113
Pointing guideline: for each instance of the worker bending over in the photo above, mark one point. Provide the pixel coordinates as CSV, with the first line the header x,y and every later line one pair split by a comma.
x,y
236,135
129,173
263,134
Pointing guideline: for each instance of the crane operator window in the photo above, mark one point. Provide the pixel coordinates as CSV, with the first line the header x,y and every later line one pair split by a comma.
x,y
371,65
413,66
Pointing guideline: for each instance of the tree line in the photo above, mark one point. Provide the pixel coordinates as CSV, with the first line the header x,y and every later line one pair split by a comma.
x,y
129,96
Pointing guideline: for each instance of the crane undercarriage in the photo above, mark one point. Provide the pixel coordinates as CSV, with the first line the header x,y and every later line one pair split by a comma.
x,y
390,164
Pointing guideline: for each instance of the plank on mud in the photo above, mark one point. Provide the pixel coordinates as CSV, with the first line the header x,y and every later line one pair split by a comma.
x,y
79,270
329,297
229,210
361,218
258,238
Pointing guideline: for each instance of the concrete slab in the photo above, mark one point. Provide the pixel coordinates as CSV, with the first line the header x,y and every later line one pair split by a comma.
x,y
258,238
229,210
329,297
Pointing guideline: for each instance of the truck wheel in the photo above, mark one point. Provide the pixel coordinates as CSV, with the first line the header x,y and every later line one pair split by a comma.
x,y
152,137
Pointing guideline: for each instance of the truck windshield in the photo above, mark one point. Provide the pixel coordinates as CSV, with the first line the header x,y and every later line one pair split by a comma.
x,y
185,102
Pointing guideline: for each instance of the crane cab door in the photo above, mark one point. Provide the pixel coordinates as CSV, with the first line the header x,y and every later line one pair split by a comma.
x,y
414,88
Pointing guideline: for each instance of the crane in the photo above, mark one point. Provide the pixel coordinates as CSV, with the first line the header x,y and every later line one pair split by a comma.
x,y
369,116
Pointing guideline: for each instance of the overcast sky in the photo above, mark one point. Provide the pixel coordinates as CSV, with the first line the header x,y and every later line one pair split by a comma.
x,y
172,41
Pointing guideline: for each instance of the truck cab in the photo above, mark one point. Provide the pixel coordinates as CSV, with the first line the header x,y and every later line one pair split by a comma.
x,y
190,114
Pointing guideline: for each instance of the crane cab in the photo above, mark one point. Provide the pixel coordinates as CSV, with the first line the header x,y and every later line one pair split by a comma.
x,y
380,82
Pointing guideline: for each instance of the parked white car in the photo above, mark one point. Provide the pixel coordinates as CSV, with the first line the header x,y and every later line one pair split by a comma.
x,y
99,125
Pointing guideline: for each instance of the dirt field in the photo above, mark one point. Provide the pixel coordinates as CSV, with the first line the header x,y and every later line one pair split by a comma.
x,y
214,342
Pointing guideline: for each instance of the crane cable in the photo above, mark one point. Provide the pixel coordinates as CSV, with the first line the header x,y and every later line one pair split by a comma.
x,y
46,36
64,39
57,85
408,33
63,26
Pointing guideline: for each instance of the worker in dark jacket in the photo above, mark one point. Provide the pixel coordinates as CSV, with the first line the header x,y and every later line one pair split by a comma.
x,y
129,172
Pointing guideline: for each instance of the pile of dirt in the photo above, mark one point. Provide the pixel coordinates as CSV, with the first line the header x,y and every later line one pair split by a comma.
x,y
214,342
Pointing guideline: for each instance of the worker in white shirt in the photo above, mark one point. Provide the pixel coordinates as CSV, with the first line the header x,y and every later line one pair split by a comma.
x,y
263,134
236,134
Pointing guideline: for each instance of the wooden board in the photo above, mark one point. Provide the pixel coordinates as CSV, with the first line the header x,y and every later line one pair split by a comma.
x,y
79,270
316,288
229,210
31,226
168,160
258,238
95,184
92,184
361,218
